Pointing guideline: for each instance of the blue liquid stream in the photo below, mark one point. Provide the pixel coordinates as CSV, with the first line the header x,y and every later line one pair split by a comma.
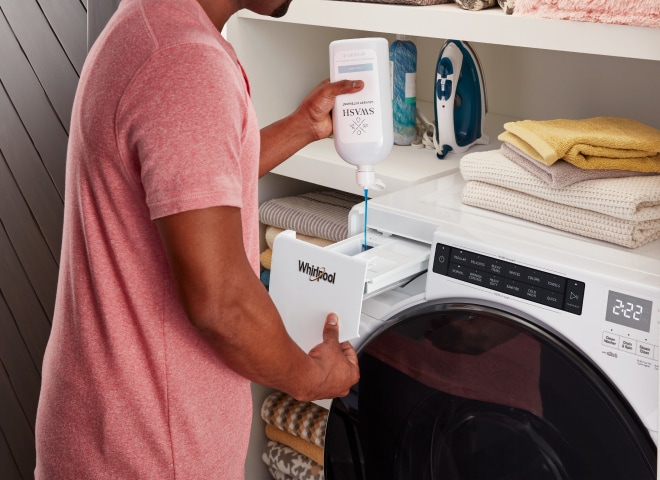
x,y
366,199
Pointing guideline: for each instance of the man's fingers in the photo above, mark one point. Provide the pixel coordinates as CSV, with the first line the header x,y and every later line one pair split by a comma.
x,y
346,86
355,85
331,328
349,352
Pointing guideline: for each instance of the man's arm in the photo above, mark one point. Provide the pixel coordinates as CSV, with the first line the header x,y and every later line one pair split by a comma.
x,y
311,121
226,301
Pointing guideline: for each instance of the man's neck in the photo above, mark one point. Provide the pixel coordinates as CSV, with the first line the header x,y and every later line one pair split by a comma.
x,y
219,11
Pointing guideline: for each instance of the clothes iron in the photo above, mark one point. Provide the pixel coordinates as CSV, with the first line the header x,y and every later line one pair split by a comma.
x,y
460,99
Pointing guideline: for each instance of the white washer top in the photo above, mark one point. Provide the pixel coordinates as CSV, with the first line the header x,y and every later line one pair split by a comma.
x,y
416,212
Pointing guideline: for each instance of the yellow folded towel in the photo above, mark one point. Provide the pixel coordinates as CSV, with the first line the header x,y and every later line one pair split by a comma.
x,y
304,447
266,258
599,142
272,232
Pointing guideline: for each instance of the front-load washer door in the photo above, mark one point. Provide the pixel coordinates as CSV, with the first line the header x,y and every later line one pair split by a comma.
x,y
465,392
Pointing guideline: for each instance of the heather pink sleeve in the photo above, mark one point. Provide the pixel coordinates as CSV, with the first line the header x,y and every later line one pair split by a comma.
x,y
183,121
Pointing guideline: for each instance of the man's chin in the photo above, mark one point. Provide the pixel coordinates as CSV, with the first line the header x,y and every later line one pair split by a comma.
x,y
281,10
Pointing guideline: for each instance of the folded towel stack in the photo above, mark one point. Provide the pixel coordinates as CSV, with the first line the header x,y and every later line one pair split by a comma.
x,y
296,437
616,206
320,218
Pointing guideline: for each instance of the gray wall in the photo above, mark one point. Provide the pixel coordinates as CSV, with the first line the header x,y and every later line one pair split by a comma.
x,y
43,44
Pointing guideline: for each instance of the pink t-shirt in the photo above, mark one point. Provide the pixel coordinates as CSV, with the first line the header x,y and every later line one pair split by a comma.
x,y
162,123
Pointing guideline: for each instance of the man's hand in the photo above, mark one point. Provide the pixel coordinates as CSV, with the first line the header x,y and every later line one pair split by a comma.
x,y
311,121
318,103
338,363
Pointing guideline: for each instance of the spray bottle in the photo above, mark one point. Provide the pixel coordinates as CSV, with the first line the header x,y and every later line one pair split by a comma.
x,y
362,122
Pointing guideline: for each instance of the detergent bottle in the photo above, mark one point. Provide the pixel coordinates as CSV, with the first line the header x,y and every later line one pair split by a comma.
x,y
362,121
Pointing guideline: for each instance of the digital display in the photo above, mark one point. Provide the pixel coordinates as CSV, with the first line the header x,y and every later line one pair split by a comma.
x,y
629,311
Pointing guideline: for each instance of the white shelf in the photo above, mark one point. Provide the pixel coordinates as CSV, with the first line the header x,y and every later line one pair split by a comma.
x,y
319,163
491,26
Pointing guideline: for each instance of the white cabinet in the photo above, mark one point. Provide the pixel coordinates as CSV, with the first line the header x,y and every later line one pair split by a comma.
x,y
533,68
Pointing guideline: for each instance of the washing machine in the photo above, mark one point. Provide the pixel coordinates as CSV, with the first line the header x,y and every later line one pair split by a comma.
x,y
517,352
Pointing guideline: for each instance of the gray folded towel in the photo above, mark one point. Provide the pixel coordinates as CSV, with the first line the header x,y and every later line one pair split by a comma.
x,y
561,173
317,214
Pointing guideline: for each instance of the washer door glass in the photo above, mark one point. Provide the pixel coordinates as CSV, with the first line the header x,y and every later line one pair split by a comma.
x,y
460,392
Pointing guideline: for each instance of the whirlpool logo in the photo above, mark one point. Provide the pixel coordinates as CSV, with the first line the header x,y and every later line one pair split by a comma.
x,y
315,273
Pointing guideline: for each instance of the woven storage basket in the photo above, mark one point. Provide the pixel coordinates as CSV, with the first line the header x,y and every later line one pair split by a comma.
x,y
405,2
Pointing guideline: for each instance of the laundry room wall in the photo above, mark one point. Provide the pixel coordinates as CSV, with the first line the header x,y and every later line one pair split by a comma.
x,y
521,83
43,44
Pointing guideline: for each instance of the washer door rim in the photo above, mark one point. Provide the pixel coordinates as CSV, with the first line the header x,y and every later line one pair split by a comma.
x,y
590,371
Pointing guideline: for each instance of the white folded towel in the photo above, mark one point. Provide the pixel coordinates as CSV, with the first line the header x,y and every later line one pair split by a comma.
x,y
627,233
629,198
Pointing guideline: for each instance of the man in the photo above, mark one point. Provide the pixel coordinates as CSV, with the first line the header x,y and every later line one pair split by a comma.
x,y
161,321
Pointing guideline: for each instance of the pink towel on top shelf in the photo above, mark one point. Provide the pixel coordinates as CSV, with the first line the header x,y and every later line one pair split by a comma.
x,y
645,13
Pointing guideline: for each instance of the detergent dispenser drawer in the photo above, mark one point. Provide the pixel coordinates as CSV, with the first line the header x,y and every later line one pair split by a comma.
x,y
308,281
391,260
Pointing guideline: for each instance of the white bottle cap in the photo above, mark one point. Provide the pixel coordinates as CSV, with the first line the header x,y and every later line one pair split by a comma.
x,y
365,176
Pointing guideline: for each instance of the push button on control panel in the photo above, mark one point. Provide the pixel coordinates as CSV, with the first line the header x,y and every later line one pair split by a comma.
x,y
574,297
629,345
441,259
519,281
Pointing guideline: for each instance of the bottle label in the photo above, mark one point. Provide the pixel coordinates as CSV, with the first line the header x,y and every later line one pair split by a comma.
x,y
409,92
359,115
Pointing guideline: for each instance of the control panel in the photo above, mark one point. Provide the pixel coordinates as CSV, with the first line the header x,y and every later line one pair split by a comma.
x,y
519,281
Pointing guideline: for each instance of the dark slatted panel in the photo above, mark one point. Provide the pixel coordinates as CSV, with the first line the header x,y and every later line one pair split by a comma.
x,y
9,467
43,44
18,289
28,97
44,52
18,364
15,427
35,185
98,13
68,21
